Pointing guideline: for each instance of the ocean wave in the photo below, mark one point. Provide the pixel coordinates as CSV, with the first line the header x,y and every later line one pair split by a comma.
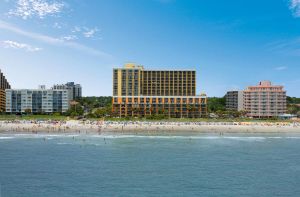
x,y
106,136
179,137
244,138
247,138
293,137
6,137
152,137
63,143
52,136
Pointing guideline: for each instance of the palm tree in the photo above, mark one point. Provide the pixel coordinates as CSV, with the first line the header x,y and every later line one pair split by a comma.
x,y
151,110
193,109
74,104
134,110
189,109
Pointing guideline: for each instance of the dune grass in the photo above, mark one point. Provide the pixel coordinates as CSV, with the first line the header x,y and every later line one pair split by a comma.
x,y
33,117
61,117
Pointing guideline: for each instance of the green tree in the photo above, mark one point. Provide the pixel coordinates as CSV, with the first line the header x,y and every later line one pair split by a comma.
x,y
293,109
28,111
92,103
292,100
215,104
75,110
103,111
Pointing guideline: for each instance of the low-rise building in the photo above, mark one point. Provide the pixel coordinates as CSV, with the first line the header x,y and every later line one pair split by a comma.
x,y
37,101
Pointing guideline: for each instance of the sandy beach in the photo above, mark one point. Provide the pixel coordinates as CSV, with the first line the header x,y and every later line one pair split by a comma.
x,y
99,127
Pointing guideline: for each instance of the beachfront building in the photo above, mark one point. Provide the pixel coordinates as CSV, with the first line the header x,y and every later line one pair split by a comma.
x,y
37,101
74,90
3,86
235,100
262,101
265,100
138,92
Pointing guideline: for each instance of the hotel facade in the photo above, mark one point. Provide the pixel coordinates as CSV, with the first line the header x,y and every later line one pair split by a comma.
x,y
3,86
37,101
138,93
262,101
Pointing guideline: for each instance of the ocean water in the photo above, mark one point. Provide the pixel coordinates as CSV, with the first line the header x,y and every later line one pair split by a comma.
x,y
130,165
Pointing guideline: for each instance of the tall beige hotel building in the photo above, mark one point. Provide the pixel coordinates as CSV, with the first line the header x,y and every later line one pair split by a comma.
x,y
138,93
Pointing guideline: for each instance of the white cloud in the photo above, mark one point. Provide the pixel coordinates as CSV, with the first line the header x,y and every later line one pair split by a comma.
x,y
17,45
52,41
85,31
40,8
295,7
69,37
90,33
76,29
280,68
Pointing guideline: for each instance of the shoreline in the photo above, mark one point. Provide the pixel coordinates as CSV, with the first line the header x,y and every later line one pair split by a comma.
x,y
129,127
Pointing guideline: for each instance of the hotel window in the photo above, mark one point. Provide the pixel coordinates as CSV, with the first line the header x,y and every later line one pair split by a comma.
x,y
153,100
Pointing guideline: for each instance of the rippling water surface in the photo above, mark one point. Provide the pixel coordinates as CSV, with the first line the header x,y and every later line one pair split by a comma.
x,y
130,165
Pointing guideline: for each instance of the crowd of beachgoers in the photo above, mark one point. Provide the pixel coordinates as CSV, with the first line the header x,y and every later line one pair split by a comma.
x,y
89,126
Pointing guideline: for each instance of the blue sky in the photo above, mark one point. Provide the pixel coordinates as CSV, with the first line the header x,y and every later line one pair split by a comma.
x,y
231,44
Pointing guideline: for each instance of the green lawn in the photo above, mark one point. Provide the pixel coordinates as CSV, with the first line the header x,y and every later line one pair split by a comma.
x,y
198,120
60,117
32,117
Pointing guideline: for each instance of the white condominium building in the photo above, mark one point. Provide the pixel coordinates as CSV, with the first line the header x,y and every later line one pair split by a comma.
x,y
37,100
